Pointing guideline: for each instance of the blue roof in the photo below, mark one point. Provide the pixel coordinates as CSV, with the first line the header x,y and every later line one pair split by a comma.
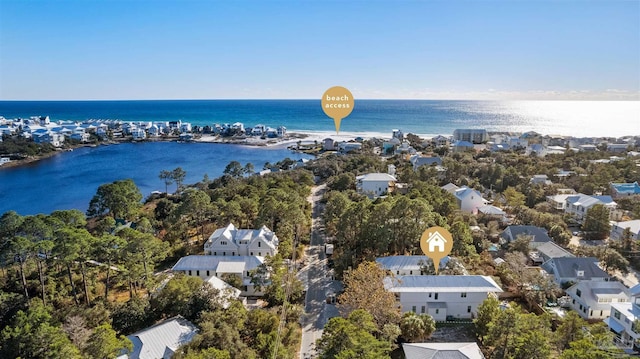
x,y
627,188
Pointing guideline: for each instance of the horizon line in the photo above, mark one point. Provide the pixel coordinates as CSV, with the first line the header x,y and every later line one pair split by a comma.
x,y
319,99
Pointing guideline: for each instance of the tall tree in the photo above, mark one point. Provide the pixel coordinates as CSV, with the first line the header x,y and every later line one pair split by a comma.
x,y
167,178
120,199
178,175
351,338
364,289
596,222
105,343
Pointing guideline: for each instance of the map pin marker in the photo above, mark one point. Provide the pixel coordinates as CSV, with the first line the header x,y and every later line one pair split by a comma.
x,y
436,243
337,103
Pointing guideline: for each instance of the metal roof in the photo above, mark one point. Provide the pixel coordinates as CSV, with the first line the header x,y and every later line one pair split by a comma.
x,y
395,263
441,283
207,262
161,340
567,267
442,351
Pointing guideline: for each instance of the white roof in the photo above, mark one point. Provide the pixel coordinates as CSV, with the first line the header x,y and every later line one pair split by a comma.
x,y
442,351
218,263
450,187
633,225
491,210
162,340
395,263
441,283
376,177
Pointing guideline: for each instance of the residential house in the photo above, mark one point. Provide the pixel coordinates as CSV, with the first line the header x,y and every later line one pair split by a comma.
x,y
442,296
493,211
395,133
456,350
540,179
550,250
471,135
440,141
281,131
575,269
161,340
593,299
408,265
4,160
462,146
578,205
226,292
53,138
346,147
468,199
138,134
374,185
538,235
619,190
624,320
617,229
587,148
559,201
230,241
617,147
418,161
207,266
185,127
328,144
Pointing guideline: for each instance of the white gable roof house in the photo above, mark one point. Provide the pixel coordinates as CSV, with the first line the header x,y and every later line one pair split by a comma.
x,y
469,200
161,340
230,241
592,299
442,296
408,265
374,185
623,317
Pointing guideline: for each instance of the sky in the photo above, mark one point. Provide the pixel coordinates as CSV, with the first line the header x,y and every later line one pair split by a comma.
x,y
144,49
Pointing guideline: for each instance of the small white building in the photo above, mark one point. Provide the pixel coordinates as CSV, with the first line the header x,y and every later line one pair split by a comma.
x,y
442,351
593,299
469,200
617,229
442,296
374,185
408,265
161,340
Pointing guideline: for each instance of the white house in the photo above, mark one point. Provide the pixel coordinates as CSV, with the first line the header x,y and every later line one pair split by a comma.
x,y
578,205
457,350
230,241
493,211
138,134
623,319
161,340
440,141
408,265
442,296
617,229
206,266
593,299
469,200
374,185
540,179
471,135
418,161
4,160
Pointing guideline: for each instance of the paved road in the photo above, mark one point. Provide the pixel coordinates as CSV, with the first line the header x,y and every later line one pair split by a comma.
x,y
315,276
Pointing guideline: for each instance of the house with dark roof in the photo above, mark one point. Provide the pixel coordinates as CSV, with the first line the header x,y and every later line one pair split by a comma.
x,y
538,235
442,351
575,269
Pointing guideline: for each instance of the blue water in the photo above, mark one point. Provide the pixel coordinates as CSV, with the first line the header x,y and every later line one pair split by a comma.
x,y
69,180
577,118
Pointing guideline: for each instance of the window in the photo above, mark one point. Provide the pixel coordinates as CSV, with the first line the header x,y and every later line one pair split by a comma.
x,y
578,292
233,253
422,309
198,273
429,295
189,272
215,253
616,314
468,309
410,272
208,273
224,253
436,296
259,244
251,253
413,309
398,272
260,254
463,295
437,311
223,243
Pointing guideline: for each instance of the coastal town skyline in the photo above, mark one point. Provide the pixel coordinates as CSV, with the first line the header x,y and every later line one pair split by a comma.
x,y
486,50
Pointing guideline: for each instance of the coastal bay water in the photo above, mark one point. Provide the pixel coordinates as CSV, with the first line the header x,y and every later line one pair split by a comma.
x,y
68,180
427,117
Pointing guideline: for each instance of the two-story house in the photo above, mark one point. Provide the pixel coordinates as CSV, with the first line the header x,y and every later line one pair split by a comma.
x,y
468,199
618,228
578,205
374,185
593,299
442,296
230,241
575,269
625,320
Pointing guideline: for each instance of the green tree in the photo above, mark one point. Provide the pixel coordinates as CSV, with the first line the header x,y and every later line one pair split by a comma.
x,y
105,343
234,169
416,327
364,289
513,198
571,329
487,311
120,199
167,178
596,222
178,175
196,206
351,338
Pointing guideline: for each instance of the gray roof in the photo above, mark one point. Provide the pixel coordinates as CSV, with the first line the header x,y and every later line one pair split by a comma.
x,y
426,161
441,283
594,290
539,234
566,267
442,351
552,250
213,263
162,339
376,177
395,263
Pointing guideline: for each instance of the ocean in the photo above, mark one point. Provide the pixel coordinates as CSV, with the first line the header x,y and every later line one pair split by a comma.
x,y
69,180
423,117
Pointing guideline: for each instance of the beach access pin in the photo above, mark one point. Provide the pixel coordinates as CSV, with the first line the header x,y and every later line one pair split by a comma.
x,y
337,103
436,243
